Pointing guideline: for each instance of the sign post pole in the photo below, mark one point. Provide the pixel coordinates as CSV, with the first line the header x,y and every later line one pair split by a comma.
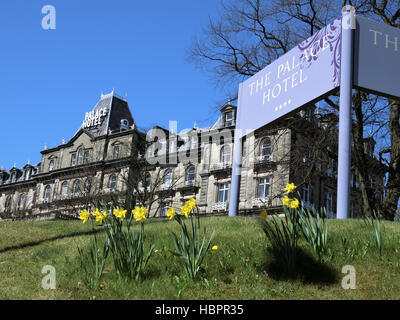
x,y
346,86
237,160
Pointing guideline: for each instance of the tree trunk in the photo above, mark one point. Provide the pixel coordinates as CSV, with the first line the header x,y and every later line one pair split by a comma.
x,y
393,183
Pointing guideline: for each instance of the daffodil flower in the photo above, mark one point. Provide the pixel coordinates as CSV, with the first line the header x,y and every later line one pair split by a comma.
x,y
286,201
171,213
290,187
84,216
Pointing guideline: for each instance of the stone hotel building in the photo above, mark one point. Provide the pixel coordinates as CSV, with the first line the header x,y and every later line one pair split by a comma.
x,y
110,160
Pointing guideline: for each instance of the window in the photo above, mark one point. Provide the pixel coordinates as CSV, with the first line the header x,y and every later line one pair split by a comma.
x,y
223,192
80,156
148,180
21,202
190,176
307,195
164,208
331,167
112,182
263,188
51,165
194,142
47,192
76,189
73,159
87,186
265,150
225,154
64,190
27,174
168,178
7,207
86,156
229,119
13,175
116,151
330,205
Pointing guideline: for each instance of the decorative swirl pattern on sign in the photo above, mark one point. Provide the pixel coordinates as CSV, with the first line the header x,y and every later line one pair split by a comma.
x,y
333,35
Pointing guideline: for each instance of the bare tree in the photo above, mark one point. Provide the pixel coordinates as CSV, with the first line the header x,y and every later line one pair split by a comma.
x,y
251,34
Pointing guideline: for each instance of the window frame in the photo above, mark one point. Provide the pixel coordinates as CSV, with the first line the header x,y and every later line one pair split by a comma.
x,y
223,188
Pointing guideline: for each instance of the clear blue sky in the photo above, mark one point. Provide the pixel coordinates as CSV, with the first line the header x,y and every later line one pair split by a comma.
x,y
50,78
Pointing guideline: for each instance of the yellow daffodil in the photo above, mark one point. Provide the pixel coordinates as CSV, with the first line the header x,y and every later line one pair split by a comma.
x,y
84,216
96,212
294,204
140,213
119,213
185,210
171,213
100,216
263,214
214,248
286,201
191,203
290,187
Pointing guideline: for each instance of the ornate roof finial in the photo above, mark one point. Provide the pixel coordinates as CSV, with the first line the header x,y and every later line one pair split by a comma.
x,y
229,101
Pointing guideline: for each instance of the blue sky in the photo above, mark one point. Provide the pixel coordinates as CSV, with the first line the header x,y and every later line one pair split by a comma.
x,y
50,78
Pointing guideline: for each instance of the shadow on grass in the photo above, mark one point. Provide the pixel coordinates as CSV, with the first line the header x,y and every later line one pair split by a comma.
x,y
38,242
308,270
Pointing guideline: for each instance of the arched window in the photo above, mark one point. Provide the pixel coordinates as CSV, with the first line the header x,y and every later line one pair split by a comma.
x,y
88,186
76,189
64,190
21,201
7,207
190,176
80,156
168,178
47,193
225,154
112,182
265,150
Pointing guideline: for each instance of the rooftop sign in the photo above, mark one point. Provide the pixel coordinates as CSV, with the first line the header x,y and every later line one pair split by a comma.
x,y
94,118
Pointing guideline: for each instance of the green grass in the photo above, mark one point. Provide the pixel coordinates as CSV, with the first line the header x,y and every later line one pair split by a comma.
x,y
242,267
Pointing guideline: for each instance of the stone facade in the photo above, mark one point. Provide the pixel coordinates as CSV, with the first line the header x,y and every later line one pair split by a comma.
x,y
109,161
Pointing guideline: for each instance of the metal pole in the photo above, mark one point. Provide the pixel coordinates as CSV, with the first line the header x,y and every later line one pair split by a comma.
x,y
346,86
237,159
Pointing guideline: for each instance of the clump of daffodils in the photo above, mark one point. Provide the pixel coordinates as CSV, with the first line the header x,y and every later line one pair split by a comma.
x,y
290,202
189,206
99,216
190,240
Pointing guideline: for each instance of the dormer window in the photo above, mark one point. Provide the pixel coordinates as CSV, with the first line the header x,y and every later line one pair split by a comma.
x,y
228,121
116,150
86,155
13,175
27,174
51,165
80,156
73,159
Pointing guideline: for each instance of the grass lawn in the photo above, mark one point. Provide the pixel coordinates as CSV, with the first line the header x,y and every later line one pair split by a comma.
x,y
241,268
